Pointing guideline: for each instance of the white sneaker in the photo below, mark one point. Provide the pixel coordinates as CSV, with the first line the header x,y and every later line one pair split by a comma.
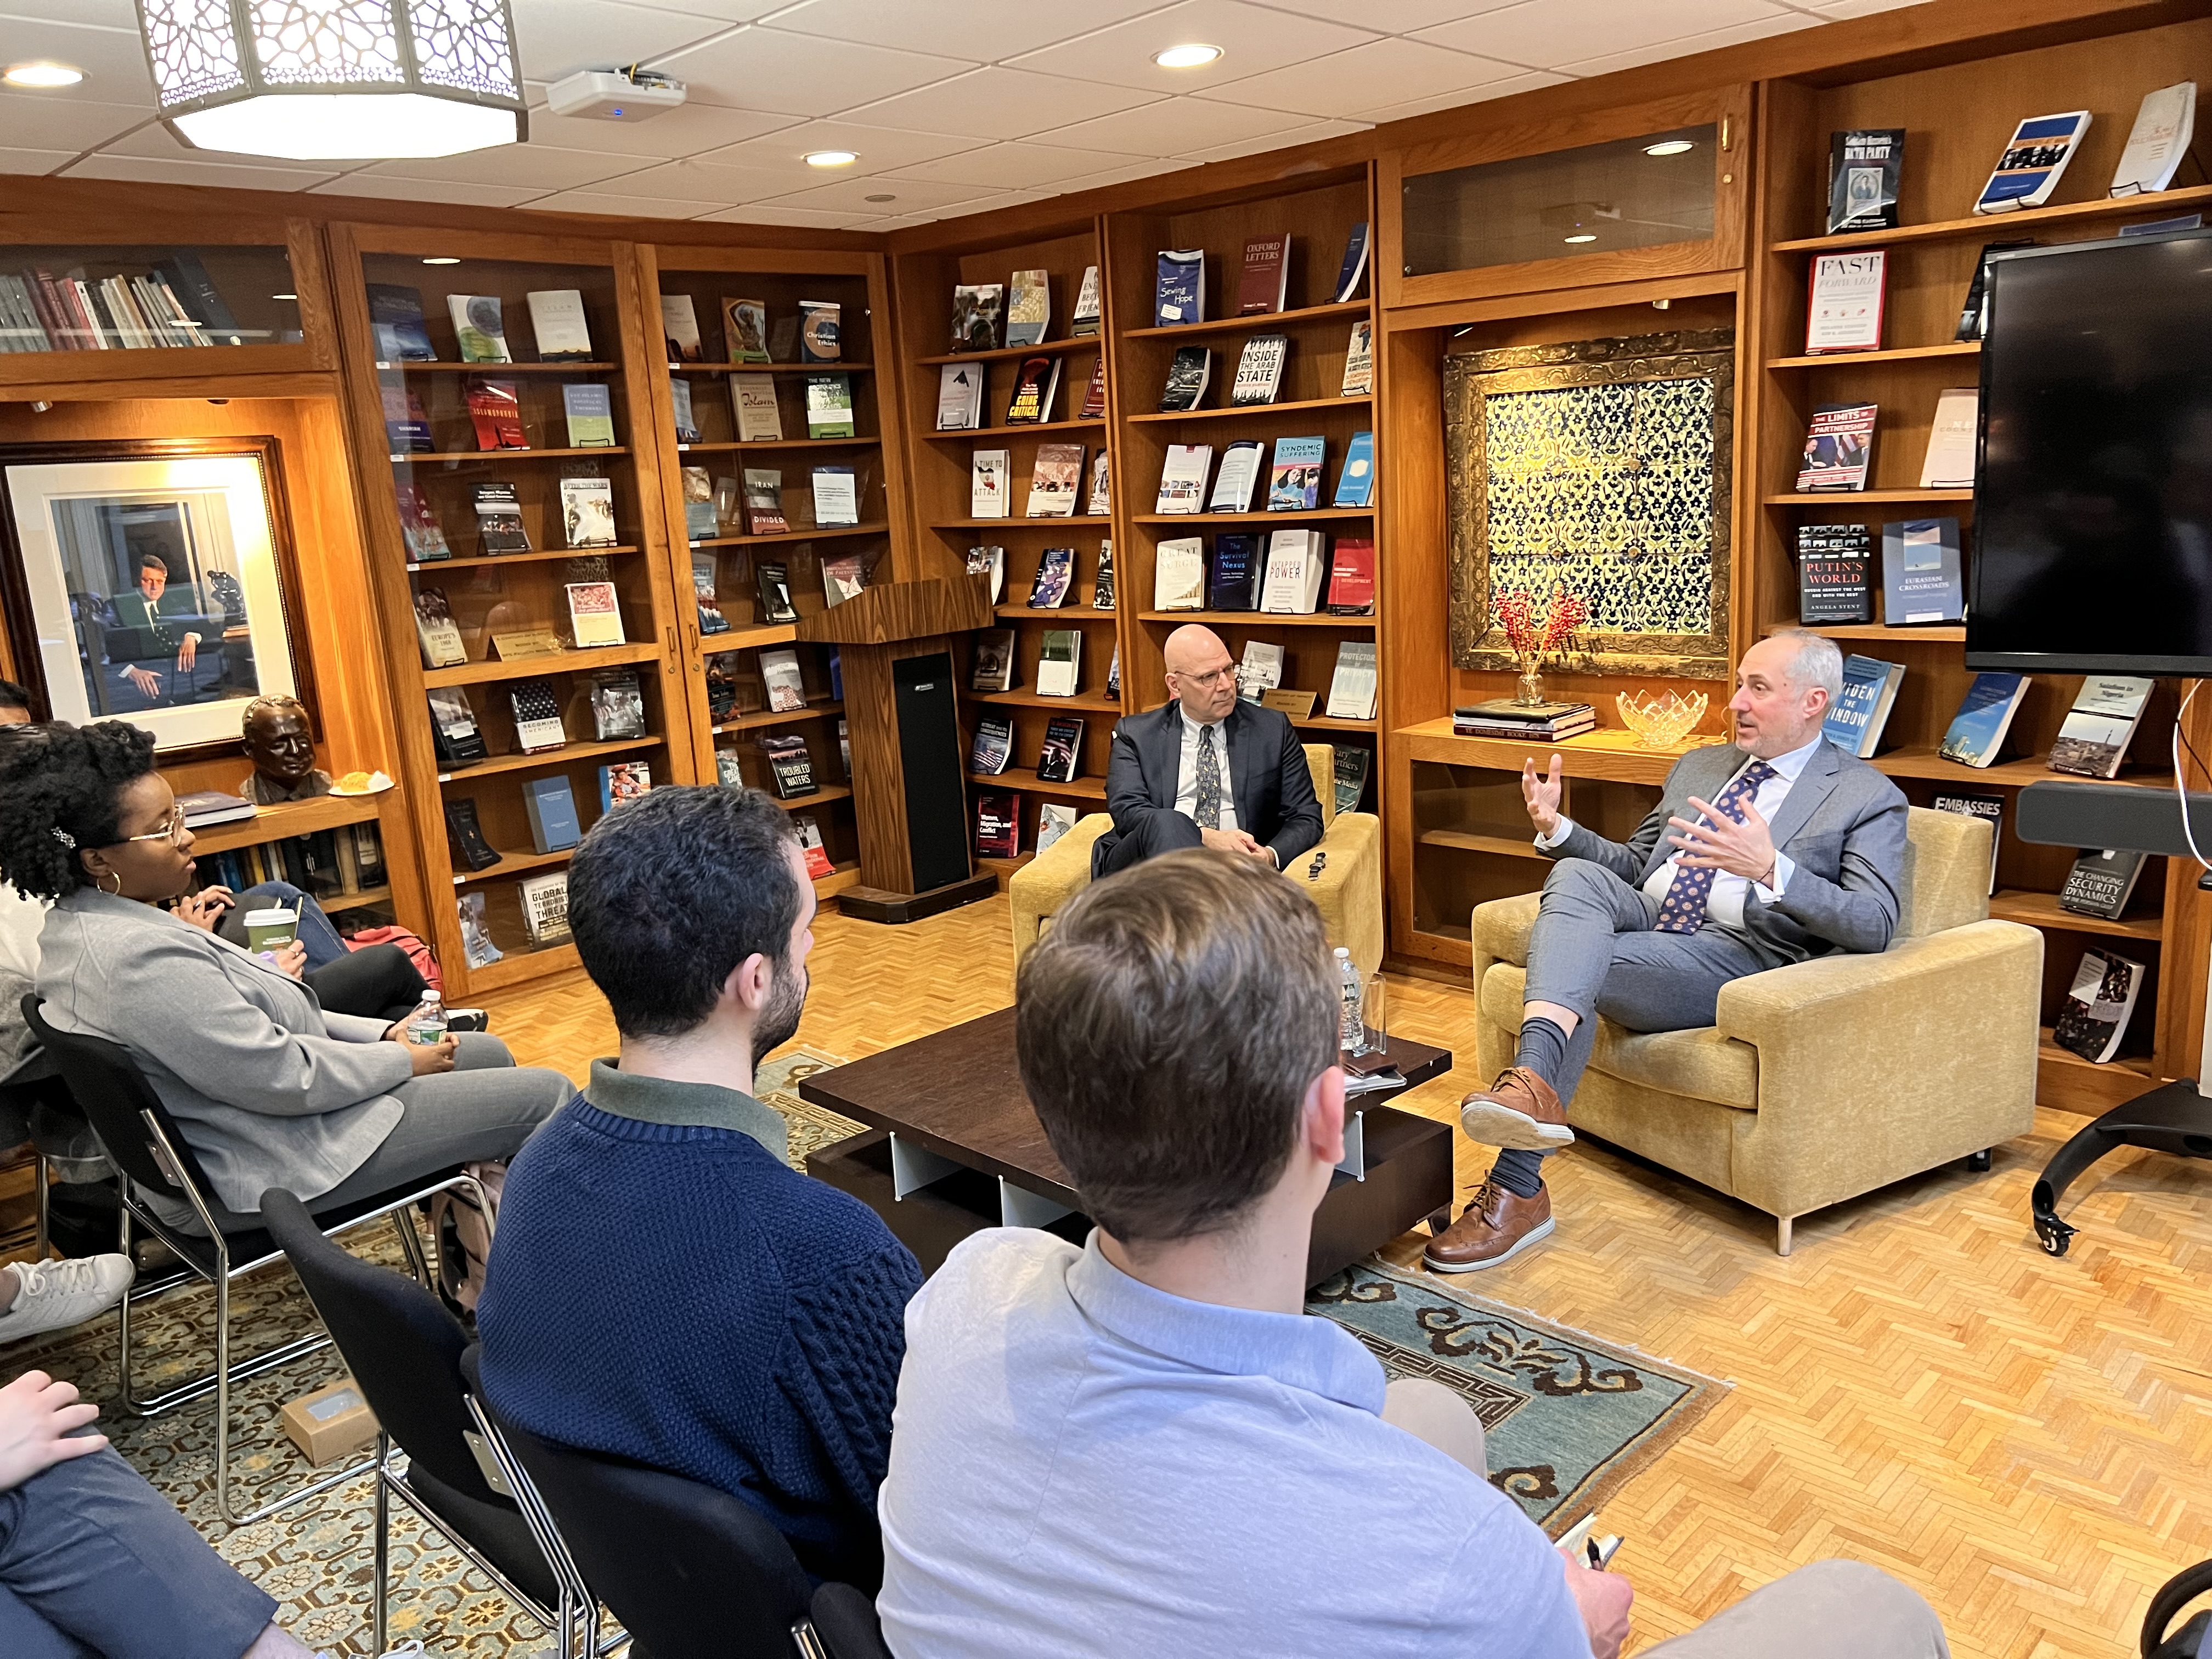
x,y
55,1294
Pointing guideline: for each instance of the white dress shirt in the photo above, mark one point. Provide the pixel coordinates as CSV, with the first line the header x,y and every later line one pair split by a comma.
x,y
1724,903
1186,800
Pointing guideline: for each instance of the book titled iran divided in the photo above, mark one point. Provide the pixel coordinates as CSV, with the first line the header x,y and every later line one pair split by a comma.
x,y
1839,448
1179,287
1855,724
765,501
1980,806
2097,730
2095,1015
2101,883
1834,563
595,615
1920,576
998,824
1865,169
1978,730
2034,161
495,412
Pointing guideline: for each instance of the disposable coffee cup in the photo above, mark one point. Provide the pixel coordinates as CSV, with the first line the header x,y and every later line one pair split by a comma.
x,y
271,930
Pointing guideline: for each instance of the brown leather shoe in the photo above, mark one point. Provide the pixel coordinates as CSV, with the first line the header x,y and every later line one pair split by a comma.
x,y
1519,1110
1497,1227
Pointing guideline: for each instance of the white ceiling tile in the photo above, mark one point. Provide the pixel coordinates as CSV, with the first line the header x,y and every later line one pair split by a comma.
x,y
1121,175
538,166
1841,8
1526,82
996,102
33,160
113,60
1311,134
686,132
1547,34
148,169
29,118
557,37
1012,166
722,186
1252,39
877,147
797,75
1393,16
908,195
805,218
105,14
627,207
1175,126
1758,28
984,29
1389,70
426,190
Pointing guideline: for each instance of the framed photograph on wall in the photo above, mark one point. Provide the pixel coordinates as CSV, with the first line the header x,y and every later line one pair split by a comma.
x,y
152,582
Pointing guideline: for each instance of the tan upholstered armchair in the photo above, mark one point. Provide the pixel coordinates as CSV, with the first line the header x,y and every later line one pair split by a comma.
x,y
1827,1078
1349,891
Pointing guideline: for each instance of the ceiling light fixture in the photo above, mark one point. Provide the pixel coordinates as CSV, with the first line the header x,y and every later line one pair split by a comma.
x,y
831,158
1190,56
879,199
1583,236
437,77
41,75
1669,146
442,259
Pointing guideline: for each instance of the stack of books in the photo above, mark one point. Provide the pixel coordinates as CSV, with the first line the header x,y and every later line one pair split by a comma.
x,y
1542,722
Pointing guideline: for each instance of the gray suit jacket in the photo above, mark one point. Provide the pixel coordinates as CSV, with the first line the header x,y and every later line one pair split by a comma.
x,y
269,1090
1842,825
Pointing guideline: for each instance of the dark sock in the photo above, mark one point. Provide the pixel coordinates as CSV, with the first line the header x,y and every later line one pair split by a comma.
x,y
1543,1049
1520,1173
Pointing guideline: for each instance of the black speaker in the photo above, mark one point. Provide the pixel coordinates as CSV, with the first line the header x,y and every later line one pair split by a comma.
x,y
2116,815
936,778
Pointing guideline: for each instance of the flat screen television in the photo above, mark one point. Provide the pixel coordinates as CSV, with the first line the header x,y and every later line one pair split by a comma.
x,y
2093,507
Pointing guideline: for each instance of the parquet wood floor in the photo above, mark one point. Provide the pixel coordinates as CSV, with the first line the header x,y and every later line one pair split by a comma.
x,y
2028,1442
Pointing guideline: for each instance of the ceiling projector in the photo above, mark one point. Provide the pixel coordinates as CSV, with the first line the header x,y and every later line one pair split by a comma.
x,y
628,95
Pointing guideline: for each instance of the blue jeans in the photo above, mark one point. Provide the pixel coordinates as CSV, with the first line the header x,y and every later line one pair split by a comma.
x,y
322,940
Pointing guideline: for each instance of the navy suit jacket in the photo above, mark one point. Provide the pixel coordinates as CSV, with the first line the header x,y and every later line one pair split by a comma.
x,y
1269,780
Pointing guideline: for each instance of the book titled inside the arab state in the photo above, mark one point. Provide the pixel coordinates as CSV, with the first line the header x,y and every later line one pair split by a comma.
x,y
1855,724
2094,1016
1979,806
994,746
2101,881
1260,370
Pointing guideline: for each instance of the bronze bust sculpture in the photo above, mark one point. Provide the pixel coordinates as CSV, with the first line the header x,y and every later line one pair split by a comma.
x,y
281,744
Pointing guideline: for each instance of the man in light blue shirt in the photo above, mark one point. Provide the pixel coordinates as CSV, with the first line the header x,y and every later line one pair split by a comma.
x,y
1146,1447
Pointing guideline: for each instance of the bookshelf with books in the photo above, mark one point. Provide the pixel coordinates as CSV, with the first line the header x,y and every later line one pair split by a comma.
x,y
512,484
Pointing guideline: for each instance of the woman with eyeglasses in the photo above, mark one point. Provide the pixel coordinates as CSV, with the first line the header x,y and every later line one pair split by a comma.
x,y
270,1087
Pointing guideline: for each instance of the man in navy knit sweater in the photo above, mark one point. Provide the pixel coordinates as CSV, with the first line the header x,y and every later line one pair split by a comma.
x,y
663,1285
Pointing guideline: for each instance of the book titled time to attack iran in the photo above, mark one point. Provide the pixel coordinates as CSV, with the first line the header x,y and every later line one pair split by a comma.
x,y
589,411
2165,123
993,747
977,309
998,824
1029,312
1855,724
2094,738
2094,1016
478,327
1865,167
1839,448
2101,883
2033,162
1260,370
1978,730
556,320
495,412
1834,563
1054,477
1979,806
1179,287
595,615
1189,376
1294,483
1060,759
989,492
1920,573
1844,311
1264,280
587,512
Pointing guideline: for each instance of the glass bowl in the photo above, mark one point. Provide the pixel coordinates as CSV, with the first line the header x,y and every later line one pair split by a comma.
x,y
1661,720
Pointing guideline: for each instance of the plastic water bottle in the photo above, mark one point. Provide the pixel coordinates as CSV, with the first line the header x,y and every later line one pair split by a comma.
x,y
427,1024
1352,1022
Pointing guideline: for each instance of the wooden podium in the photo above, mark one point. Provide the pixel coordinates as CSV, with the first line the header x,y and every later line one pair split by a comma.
x,y
909,763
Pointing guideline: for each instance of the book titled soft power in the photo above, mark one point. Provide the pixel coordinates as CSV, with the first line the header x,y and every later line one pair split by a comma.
x,y
1855,724
1978,730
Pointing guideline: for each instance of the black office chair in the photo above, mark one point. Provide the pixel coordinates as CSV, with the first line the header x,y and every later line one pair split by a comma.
x,y
692,1572
404,1350
151,1155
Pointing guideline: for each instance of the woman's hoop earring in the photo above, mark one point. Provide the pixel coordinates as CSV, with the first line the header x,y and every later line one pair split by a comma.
x,y
118,882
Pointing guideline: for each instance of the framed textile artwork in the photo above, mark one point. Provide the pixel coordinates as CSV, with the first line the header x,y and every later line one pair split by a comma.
x,y
1600,469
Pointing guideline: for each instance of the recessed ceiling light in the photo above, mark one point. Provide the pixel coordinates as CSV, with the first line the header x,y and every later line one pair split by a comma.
x,y
879,199
1190,56
442,259
284,296
41,75
831,158
1583,236
1671,147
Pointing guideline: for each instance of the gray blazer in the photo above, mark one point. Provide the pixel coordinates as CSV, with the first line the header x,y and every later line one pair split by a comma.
x,y
269,1090
1842,825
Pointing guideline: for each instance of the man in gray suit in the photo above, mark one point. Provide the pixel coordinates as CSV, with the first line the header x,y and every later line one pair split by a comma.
x,y
1763,851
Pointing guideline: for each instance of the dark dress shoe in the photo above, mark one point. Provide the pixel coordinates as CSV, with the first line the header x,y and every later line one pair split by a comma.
x,y
1497,1227
1519,1110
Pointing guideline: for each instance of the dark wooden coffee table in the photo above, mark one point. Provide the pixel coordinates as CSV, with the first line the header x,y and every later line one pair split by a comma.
x,y
955,1146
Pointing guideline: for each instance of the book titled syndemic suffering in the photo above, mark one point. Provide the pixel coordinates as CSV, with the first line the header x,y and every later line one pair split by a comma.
x,y
1264,280
1977,730
1294,483
1834,564
1990,807
2101,881
1865,169
1855,724
1179,287
2094,738
1921,580
1839,448
2034,160
2094,1016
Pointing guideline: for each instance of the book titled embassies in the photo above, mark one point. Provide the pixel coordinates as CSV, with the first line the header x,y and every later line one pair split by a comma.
x,y
1990,807
1839,448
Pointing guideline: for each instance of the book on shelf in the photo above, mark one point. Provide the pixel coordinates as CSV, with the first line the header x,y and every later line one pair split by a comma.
x,y
1261,670
587,512
844,575
589,411
1948,463
595,615
419,527
730,768
1920,581
453,731
1352,270
686,416
702,522
1844,311
1235,582
1094,394
991,667
1294,482
1179,287
998,824
1182,478
1297,560
679,324
993,747
193,294
1350,764
989,561
744,331
763,490
1059,662
395,318
2094,1018
1839,448
1359,365
623,781
1055,573
436,631
1264,281
977,315
1355,482
495,412
2165,121
1352,577
1856,721
752,399
1977,730
959,396
1060,757
499,519
551,804
2032,162
1055,475
1114,672
545,908
772,582
478,328
1029,308
829,406
1099,503
559,325
1974,315
205,808
1102,586
790,765
988,493
1834,579
617,704
1239,478
810,847
1539,722
821,332
1189,376
1866,167
837,495
1179,574
406,422
2101,883
727,687
464,837
705,594
475,931
1978,806
1260,370
1351,687
1035,385
2098,729
1055,820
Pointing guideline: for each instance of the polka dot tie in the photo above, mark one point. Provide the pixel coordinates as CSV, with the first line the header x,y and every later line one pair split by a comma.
x,y
1683,910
